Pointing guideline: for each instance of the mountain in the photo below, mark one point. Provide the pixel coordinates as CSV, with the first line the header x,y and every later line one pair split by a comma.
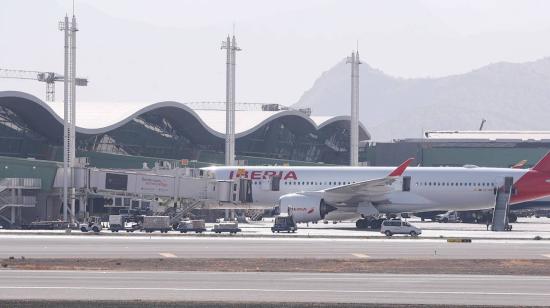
x,y
510,96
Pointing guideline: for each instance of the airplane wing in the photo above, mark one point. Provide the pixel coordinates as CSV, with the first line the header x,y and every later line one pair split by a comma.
x,y
371,190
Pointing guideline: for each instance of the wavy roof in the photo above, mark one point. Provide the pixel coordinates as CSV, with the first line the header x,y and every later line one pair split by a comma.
x,y
101,117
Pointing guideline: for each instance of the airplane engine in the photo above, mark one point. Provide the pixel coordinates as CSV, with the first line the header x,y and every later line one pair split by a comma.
x,y
304,208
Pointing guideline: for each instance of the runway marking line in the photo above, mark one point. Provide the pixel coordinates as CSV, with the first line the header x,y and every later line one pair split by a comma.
x,y
167,255
548,256
360,255
279,290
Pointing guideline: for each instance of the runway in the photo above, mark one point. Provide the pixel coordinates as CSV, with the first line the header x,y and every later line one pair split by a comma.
x,y
197,247
276,287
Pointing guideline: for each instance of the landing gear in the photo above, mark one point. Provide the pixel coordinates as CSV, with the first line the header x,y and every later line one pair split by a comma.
x,y
368,223
376,224
362,224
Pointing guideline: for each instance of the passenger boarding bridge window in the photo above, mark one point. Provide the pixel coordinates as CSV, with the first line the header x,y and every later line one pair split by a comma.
x,y
116,181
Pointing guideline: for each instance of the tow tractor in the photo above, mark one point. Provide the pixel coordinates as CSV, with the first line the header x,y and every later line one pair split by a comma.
x,y
93,224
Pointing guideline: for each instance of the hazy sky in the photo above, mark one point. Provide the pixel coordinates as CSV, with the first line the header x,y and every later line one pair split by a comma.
x,y
170,50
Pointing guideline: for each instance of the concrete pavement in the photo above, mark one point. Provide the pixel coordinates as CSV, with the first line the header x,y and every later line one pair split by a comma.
x,y
276,287
228,247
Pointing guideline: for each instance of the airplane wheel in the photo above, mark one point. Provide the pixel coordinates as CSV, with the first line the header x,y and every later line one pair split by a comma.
x,y
376,224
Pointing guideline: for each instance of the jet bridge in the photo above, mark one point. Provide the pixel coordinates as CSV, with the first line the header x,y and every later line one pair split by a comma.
x,y
160,189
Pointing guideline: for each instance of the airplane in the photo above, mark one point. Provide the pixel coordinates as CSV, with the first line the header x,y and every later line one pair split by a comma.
x,y
310,194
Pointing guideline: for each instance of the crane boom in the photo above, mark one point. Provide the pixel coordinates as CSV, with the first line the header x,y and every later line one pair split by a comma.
x,y
48,77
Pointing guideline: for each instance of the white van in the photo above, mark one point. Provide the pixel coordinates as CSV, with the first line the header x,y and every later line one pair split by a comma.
x,y
397,226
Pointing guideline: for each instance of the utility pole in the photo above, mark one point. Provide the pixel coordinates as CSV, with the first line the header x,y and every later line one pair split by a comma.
x,y
354,123
231,46
69,30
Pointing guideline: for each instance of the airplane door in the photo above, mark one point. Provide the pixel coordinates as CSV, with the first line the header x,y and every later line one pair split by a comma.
x,y
406,183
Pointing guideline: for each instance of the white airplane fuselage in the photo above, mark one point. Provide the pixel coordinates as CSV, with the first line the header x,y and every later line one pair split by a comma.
x,y
431,188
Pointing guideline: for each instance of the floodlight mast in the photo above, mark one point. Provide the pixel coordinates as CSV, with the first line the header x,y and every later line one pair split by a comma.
x,y
231,46
69,117
354,123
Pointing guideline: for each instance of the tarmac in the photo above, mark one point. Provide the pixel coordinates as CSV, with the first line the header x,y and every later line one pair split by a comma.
x,y
276,287
316,241
525,228
66,246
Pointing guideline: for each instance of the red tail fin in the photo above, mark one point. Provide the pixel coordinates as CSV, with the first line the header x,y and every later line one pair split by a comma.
x,y
544,164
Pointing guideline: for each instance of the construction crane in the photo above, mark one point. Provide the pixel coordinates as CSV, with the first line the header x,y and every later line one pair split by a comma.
x,y
48,77
482,123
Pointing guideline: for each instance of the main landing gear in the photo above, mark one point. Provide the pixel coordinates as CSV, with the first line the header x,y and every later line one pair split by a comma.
x,y
369,223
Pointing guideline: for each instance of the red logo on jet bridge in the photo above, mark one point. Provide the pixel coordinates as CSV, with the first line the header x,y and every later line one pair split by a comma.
x,y
259,175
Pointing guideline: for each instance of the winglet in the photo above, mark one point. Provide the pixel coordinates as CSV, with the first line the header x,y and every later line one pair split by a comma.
x,y
399,170
544,164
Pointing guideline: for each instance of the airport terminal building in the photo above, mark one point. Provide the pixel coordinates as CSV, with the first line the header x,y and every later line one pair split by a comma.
x,y
30,127
146,135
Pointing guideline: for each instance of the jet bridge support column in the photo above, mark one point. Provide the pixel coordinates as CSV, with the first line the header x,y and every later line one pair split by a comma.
x,y
502,206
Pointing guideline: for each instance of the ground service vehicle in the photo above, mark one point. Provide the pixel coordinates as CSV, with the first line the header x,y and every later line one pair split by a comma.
x,y
230,227
46,225
197,226
156,223
398,226
116,222
93,224
284,223
132,226
450,216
